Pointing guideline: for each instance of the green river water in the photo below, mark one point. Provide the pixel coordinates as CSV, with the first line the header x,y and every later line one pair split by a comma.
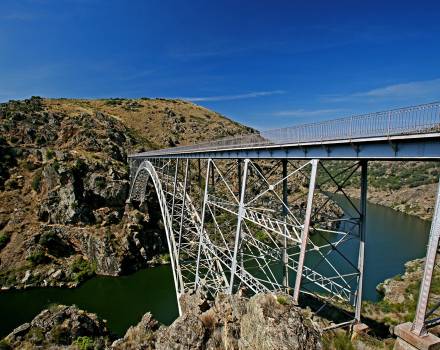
x,y
392,239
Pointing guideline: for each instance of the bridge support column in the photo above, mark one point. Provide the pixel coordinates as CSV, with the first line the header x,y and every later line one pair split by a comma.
x,y
185,186
362,232
415,335
285,211
238,231
239,164
176,173
204,200
305,232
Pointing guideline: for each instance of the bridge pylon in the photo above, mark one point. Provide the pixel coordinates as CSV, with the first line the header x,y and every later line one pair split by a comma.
x,y
415,335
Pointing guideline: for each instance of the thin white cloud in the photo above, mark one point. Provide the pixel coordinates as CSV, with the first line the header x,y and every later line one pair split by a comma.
x,y
422,88
233,97
307,113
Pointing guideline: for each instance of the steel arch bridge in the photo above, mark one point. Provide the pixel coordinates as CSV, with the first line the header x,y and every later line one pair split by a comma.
x,y
269,211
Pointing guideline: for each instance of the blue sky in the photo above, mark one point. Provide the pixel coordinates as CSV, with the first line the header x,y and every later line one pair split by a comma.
x,y
264,63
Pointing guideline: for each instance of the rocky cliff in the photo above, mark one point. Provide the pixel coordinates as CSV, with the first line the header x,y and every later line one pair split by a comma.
x,y
64,183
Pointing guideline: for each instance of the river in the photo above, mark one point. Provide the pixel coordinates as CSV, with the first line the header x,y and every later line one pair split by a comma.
x,y
392,239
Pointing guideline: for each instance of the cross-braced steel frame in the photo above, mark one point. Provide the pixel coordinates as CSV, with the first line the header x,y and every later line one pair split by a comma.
x,y
261,225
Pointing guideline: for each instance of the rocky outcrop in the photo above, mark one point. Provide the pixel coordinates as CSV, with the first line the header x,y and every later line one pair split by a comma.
x,y
141,336
60,327
265,321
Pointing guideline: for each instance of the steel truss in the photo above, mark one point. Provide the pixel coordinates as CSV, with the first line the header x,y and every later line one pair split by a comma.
x,y
259,226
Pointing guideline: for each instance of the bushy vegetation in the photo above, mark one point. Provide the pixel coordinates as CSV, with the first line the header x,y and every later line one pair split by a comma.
x,y
282,300
84,343
36,181
338,341
50,153
165,258
38,257
4,240
60,335
33,104
82,269
387,175
4,345
114,101
36,335
100,182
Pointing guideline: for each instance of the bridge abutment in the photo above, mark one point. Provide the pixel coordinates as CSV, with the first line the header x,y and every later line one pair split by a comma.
x,y
407,340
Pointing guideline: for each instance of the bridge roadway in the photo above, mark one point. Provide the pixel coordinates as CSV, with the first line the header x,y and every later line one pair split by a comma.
x,y
411,133
244,214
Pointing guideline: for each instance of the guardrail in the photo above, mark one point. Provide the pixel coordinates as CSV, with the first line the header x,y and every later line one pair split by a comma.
x,y
404,121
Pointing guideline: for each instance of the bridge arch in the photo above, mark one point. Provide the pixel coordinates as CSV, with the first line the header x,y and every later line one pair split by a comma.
x,y
147,169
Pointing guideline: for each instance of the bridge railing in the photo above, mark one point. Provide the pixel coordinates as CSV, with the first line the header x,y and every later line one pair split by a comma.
x,y
411,120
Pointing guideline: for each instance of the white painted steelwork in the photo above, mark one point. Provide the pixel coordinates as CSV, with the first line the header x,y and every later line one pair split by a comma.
x,y
260,225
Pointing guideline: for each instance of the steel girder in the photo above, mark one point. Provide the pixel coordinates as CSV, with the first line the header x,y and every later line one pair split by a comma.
x,y
259,226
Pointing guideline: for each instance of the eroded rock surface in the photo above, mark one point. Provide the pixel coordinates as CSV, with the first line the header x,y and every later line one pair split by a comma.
x,y
60,327
265,321
63,169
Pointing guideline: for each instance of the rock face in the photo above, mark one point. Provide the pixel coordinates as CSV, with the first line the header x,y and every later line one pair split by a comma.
x,y
61,327
63,171
140,336
264,322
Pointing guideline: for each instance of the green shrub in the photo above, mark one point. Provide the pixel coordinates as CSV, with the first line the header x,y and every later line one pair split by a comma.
x,y
50,153
39,257
4,240
100,182
165,258
342,342
82,269
60,335
4,345
36,335
84,343
36,181
262,236
56,165
282,300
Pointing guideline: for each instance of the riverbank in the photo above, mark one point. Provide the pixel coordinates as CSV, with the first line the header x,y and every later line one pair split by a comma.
x,y
400,295
416,201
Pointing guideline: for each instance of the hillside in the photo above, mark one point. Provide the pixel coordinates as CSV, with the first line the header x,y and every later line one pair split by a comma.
x,y
64,182
409,187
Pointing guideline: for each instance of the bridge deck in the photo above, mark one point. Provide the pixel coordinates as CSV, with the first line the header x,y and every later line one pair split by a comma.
x,y
407,133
